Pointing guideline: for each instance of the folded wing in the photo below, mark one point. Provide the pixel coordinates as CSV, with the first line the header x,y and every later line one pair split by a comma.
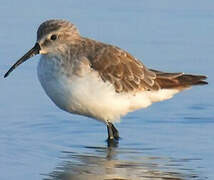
x,y
127,74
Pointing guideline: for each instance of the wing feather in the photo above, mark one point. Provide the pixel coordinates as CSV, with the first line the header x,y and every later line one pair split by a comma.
x,y
127,74
122,70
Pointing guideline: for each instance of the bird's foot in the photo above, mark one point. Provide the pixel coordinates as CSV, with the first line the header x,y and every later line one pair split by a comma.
x,y
112,142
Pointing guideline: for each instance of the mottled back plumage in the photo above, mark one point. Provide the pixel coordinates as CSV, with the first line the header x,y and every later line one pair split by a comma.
x,y
126,73
122,70
114,65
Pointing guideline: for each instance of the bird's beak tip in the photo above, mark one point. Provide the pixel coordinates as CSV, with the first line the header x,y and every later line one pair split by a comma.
x,y
34,51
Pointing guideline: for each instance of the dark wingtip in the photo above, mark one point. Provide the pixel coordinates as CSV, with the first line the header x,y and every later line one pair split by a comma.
x,y
195,79
202,83
203,77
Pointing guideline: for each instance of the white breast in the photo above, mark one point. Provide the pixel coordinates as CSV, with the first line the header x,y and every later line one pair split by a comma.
x,y
85,93
52,81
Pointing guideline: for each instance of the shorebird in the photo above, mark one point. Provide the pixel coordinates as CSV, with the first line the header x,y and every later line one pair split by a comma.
x,y
98,80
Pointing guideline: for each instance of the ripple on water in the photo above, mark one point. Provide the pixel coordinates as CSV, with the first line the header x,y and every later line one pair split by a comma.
x,y
97,163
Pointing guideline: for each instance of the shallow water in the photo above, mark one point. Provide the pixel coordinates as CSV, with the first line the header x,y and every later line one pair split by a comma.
x,y
169,140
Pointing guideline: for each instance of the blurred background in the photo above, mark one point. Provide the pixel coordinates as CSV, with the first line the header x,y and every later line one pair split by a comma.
x,y
171,139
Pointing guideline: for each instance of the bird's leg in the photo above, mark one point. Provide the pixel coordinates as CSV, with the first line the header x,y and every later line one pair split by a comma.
x,y
110,132
113,133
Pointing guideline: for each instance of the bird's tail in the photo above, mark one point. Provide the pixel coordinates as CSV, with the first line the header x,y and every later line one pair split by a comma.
x,y
178,80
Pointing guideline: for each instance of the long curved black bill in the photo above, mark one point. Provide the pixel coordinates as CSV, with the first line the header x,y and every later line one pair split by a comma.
x,y
34,51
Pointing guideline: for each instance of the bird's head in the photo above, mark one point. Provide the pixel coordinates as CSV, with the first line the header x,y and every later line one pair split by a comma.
x,y
52,37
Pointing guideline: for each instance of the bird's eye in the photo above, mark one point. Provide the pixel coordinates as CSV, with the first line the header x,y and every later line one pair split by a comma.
x,y
53,37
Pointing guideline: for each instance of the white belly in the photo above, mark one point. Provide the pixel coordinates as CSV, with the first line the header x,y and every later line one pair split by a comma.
x,y
88,95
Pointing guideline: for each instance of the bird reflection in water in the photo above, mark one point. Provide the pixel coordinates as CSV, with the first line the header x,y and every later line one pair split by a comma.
x,y
111,163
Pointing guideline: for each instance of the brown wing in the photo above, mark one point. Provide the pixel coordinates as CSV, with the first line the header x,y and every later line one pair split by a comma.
x,y
122,70
178,80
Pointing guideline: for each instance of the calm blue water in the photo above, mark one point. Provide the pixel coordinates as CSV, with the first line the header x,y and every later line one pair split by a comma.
x,y
172,139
